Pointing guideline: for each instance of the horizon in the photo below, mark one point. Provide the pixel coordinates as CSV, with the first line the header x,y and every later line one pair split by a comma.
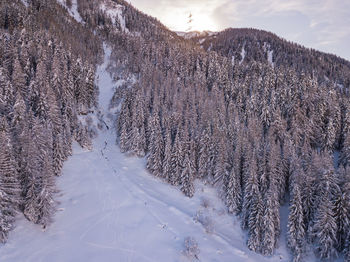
x,y
321,25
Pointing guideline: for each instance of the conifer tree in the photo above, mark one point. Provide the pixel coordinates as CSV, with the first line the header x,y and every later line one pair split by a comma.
x,y
271,221
221,163
156,155
296,228
345,152
55,119
124,138
251,188
176,160
347,247
138,129
90,87
204,157
187,177
342,209
325,229
9,183
39,204
232,191
19,78
324,225
124,125
255,218
18,121
167,171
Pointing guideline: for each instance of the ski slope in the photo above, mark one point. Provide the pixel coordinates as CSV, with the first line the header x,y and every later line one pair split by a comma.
x,y
111,209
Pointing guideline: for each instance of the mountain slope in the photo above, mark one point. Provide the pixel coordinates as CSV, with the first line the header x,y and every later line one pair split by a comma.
x,y
266,47
111,208
260,121
46,81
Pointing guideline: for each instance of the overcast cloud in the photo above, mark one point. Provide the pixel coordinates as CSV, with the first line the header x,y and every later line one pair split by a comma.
x,y
320,24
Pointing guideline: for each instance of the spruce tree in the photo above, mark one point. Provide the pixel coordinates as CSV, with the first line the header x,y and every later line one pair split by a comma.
x,y
124,139
19,78
9,183
138,132
39,204
167,171
177,160
232,191
347,247
203,162
156,155
270,222
221,163
296,228
251,189
187,177
342,209
255,220
324,224
325,230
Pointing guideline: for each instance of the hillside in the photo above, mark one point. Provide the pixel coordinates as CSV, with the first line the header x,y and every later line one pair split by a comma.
x,y
249,45
112,208
262,121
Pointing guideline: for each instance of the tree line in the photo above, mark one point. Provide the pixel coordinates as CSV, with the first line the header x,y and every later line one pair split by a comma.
x,y
45,83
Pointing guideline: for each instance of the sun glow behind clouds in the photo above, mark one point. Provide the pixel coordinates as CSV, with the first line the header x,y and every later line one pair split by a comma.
x,y
321,24
174,13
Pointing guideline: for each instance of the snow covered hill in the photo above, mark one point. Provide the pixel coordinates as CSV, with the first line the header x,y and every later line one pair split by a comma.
x,y
111,209
253,113
196,34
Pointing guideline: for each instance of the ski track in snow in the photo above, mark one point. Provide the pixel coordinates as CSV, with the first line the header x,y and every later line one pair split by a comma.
x,y
111,209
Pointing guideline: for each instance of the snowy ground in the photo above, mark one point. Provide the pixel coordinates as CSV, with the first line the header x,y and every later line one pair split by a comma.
x,y
111,209
73,11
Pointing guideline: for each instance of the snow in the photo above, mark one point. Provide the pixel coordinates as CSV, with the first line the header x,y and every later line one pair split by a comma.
x,y
340,86
105,81
62,2
233,60
243,52
112,209
269,57
192,34
336,158
212,33
188,35
72,11
25,3
267,48
115,12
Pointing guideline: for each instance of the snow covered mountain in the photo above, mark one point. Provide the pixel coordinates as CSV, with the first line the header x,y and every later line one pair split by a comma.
x,y
172,147
112,208
266,47
196,34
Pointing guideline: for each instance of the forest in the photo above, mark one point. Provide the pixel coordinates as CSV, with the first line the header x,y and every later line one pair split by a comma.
x,y
264,134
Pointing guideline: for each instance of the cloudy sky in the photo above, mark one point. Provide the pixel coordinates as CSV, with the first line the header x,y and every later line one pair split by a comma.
x,y
320,24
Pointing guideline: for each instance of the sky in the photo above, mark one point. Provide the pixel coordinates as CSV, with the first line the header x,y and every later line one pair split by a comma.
x,y
320,24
